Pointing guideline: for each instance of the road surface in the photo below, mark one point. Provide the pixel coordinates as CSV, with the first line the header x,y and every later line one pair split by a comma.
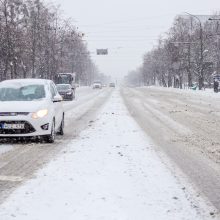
x,y
111,171
107,162
19,161
186,126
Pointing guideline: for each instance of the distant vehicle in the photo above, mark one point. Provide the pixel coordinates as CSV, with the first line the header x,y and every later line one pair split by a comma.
x,y
76,85
30,108
112,84
97,85
66,78
66,91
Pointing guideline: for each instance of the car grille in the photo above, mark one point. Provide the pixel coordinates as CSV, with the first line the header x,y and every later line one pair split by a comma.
x,y
13,113
28,128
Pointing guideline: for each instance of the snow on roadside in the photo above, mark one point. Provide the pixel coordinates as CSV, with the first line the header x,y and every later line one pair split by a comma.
x,y
110,172
203,93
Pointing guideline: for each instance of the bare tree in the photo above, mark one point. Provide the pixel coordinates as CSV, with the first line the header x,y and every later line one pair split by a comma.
x,y
35,41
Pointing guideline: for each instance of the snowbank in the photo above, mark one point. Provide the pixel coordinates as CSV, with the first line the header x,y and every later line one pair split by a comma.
x,y
206,92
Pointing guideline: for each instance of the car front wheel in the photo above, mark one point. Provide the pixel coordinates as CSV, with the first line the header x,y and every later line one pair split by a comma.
x,y
61,129
51,137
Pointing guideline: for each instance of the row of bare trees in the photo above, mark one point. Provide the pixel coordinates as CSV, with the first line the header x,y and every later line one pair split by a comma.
x,y
36,42
188,55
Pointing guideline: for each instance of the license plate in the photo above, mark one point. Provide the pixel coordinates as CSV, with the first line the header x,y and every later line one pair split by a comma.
x,y
13,126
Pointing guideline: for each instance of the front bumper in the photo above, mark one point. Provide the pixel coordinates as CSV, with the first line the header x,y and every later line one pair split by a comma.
x,y
33,127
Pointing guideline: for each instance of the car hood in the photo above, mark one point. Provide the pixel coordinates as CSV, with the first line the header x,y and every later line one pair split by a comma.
x,y
23,106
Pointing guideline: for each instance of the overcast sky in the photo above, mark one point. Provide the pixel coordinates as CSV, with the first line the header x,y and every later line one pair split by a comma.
x,y
128,28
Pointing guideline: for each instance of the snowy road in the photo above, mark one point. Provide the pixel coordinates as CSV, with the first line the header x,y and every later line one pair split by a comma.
x,y
19,161
185,124
111,171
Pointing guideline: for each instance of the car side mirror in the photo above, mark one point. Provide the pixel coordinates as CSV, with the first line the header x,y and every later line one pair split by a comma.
x,y
57,98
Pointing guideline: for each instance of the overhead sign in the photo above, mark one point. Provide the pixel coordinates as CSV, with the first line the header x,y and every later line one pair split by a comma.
x,y
102,51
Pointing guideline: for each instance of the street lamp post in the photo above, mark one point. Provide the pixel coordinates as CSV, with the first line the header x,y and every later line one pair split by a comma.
x,y
201,74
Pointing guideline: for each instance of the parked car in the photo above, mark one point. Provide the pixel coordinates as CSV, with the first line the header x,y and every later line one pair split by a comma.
x,y
66,91
97,85
112,85
30,108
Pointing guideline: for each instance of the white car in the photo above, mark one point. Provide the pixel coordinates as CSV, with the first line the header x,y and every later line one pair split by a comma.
x,y
97,85
30,108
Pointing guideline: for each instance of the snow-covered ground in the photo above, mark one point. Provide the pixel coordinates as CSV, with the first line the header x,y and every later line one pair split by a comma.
x,y
207,92
111,171
4,148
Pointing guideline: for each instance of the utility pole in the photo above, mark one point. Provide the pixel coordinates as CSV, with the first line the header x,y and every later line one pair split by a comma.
x,y
189,66
201,71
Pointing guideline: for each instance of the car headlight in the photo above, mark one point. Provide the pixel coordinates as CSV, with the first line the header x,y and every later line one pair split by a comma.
x,y
40,114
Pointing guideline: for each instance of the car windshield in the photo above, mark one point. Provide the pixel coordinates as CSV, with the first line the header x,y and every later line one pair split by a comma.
x,y
22,92
63,87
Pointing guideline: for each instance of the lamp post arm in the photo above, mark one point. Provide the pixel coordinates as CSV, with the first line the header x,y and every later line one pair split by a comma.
x,y
194,17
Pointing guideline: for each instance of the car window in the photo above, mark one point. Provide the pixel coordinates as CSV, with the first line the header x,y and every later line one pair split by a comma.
x,y
52,90
22,92
55,89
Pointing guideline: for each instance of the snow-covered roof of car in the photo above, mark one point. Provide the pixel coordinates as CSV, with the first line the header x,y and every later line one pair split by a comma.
x,y
25,81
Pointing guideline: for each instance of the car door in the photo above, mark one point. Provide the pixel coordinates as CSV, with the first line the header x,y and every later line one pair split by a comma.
x,y
58,108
